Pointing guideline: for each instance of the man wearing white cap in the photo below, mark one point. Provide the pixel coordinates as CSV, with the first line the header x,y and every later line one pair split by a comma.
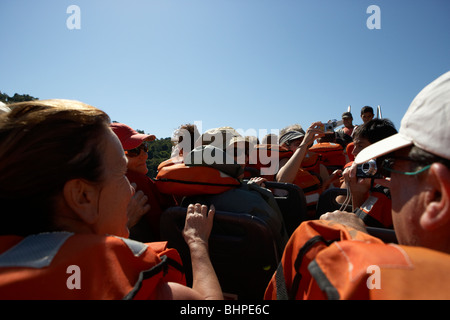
x,y
416,164
418,161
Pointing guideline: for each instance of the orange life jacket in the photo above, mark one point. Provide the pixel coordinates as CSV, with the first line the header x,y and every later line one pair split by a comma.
x,y
349,151
259,159
331,155
169,162
182,180
310,185
263,153
376,210
266,158
326,260
64,265
311,162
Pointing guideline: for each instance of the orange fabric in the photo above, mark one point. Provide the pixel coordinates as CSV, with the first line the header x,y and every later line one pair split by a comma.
x,y
304,179
262,157
377,206
404,272
310,185
108,268
169,162
348,264
331,154
311,162
349,150
181,180
328,231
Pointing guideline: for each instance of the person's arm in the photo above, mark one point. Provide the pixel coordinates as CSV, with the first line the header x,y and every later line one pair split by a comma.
x,y
332,179
196,234
359,188
288,169
348,219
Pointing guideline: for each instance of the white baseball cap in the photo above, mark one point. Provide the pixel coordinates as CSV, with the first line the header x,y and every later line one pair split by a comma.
x,y
426,124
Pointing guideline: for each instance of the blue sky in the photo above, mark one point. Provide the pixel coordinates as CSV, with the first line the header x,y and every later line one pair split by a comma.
x,y
249,64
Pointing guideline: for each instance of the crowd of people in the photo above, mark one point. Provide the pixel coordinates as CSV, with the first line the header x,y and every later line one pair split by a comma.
x,y
86,200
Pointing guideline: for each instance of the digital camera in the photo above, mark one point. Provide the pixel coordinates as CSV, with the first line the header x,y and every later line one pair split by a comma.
x,y
368,169
331,125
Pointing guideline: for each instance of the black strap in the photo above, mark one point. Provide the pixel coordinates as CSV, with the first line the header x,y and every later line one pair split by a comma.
x,y
368,219
322,281
282,292
163,267
281,283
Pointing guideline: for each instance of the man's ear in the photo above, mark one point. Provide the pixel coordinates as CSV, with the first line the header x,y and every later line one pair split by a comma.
x,y
437,198
82,197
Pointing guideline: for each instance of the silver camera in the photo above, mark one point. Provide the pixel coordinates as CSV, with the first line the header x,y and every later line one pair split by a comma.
x,y
331,125
368,169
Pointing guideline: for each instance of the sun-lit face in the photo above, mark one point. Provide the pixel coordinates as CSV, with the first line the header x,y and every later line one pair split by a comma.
x,y
407,202
138,163
360,143
115,192
348,122
294,144
367,116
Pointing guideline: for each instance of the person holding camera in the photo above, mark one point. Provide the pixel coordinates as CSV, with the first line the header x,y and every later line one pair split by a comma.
x,y
370,201
290,168
297,142
335,257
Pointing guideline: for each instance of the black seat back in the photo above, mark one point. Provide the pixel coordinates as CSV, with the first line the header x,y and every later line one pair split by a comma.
x,y
292,205
242,249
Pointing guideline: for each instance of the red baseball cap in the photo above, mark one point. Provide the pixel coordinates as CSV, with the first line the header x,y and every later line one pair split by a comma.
x,y
129,137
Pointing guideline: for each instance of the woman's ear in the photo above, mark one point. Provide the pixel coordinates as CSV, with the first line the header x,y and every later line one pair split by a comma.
x,y
437,198
82,197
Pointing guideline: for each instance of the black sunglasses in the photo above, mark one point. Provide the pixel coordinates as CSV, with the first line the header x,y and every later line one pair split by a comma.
x,y
136,151
387,165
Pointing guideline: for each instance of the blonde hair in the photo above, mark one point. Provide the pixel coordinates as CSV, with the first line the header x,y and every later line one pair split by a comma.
x,y
293,127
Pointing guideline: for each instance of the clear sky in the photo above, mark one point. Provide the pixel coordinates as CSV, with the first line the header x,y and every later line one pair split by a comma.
x,y
249,64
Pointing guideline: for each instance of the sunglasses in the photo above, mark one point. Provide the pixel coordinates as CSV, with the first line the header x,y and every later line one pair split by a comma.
x,y
136,151
388,164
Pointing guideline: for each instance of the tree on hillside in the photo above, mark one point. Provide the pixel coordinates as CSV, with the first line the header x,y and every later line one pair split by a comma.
x,y
16,98
159,150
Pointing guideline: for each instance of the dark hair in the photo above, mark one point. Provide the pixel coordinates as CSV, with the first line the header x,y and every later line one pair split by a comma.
x,y
44,144
188,131
347,114
375,130
366,109
422,158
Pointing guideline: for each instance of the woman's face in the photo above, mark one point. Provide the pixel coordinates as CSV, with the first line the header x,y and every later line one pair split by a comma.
x,y
115,192
138,163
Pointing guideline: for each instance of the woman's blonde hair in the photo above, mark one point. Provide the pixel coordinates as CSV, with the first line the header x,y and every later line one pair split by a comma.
x,y
44,144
